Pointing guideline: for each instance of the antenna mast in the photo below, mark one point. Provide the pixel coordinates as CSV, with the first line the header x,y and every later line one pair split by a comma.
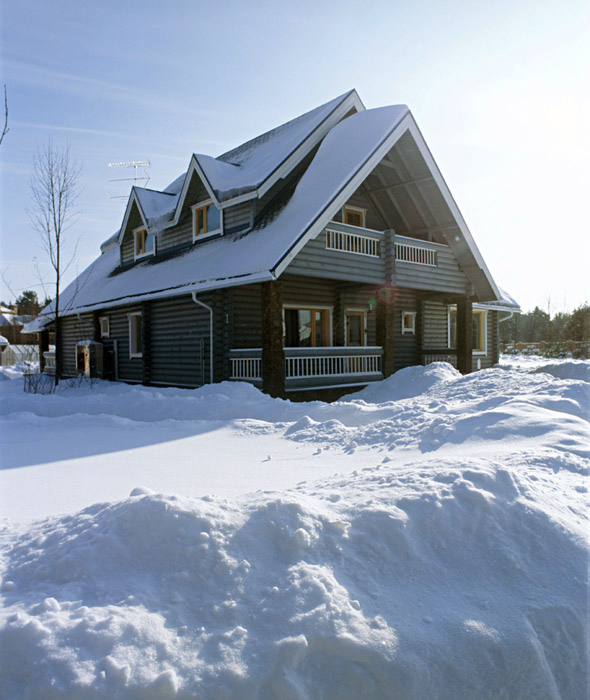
x,y
135,164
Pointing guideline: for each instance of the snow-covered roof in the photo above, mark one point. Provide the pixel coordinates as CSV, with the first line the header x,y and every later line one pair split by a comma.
x,y
506,303
349,151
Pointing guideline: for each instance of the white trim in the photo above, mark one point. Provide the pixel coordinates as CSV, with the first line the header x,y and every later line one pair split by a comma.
x,y
104,334
123,230
448,197
484,317
352,100
208,234
412,329
345,193
193,167
406,123
132,354
147,253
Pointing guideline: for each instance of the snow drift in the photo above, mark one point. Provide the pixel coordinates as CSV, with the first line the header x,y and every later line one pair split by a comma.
x,y
451,563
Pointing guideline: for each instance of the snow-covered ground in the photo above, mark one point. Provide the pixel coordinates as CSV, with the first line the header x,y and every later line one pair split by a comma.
x,y
426,537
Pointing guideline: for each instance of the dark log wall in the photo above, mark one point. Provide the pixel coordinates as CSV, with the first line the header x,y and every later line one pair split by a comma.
x,y
73,330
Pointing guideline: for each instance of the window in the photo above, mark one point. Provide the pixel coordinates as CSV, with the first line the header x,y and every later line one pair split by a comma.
x,y
305,328
354,216
144,243
105,326
479,330
409,322
206,219
135,335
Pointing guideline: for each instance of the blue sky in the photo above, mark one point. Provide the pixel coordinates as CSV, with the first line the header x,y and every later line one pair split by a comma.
x,y
499,90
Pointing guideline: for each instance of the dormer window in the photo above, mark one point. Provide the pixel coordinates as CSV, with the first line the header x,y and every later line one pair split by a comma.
x,y
353,216
206,220
143,243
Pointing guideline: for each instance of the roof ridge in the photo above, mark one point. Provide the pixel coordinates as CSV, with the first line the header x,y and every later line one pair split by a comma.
x,y
261,138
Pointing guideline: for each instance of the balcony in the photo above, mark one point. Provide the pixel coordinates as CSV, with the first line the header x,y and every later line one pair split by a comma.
x,y
313,368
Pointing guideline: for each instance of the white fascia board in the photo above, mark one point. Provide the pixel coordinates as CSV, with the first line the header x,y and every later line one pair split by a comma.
x,y
345,193
352,100
193,167
132,198
448,197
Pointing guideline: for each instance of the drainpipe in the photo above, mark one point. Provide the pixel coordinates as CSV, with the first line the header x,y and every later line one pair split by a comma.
x,y
210,310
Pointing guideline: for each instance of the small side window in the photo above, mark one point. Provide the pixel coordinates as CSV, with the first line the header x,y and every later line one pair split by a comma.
x,y
135,335
409,322
143,243
206,220
105,326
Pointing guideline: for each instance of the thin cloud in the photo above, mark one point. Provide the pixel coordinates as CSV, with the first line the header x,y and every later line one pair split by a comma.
x,y
97,89
74,129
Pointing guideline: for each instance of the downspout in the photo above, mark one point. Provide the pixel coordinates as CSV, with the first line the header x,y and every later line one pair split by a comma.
x,y
210,310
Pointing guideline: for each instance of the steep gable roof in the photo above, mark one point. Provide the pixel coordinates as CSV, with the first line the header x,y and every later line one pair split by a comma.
x,y
347,155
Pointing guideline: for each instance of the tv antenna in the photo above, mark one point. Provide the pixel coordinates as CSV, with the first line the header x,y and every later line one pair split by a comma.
x,y
135,164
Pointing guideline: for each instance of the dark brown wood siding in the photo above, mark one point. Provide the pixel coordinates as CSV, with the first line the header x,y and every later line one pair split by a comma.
x,y
73,330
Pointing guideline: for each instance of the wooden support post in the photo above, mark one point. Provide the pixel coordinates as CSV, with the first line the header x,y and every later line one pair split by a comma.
x,y
273,363
385,331
338,321
464,335
43,347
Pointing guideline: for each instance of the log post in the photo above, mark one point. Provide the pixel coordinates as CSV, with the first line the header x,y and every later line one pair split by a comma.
x,y
43,347
385,331
464,335
273,363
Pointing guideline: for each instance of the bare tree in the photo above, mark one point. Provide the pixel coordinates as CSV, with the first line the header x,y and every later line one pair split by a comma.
x,y
6,129
54,190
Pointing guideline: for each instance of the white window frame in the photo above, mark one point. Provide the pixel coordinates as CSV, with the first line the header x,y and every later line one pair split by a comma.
x,y
139,256
412,329
360,210
483,313
207,234
132,337
105,326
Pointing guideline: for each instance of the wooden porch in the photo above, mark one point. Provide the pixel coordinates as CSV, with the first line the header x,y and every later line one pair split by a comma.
x,y
313,367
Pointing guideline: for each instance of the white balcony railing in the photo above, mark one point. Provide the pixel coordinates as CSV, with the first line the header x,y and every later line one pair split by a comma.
x,y
417,254
359,244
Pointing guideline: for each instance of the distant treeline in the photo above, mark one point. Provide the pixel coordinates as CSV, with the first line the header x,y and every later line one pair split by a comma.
x,y
563,334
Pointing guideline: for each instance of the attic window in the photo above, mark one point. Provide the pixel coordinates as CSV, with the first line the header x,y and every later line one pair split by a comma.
x,y
206,219
353,216
144,243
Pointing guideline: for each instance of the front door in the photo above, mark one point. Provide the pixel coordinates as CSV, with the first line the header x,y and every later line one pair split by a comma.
x,y
355,328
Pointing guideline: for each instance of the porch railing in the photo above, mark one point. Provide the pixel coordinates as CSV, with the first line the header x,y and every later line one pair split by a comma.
x,y
246,365
440,355
49,360
303,363
312,367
